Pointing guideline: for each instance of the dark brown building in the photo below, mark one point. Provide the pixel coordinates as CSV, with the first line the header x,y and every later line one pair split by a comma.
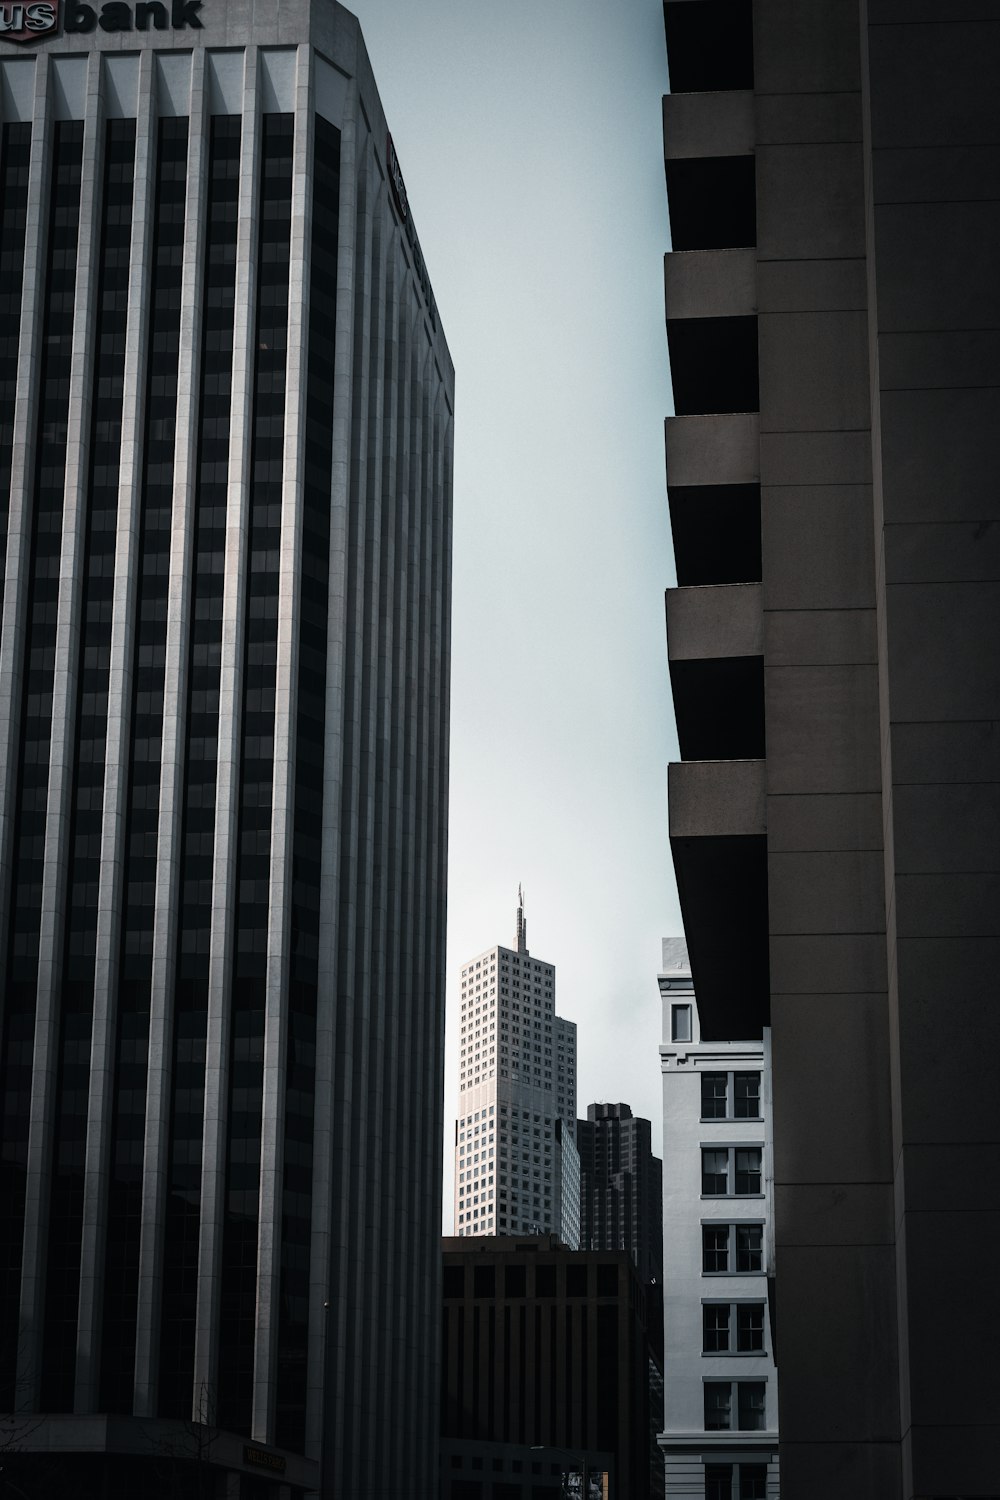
x,y
545,1348
833,307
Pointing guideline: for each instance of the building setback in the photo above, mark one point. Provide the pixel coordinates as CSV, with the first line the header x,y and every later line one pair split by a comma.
x,y
517,1169
832,307
226,473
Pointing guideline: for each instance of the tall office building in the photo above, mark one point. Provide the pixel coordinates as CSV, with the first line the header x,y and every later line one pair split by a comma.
x,y
516,1164
621,1194
225,462
832,316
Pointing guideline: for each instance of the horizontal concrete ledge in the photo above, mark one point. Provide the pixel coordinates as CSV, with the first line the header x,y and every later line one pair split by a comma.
x,y
710,283
713,621
719,124
716,799
718,449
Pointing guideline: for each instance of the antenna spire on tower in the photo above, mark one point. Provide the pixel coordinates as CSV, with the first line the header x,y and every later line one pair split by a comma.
x,y
521,933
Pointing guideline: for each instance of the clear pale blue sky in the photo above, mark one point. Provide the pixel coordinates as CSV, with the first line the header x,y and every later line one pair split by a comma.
x,y
529,136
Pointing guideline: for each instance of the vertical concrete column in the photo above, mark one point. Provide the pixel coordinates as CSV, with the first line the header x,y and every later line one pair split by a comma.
x,y
61,753
373,997
355,882
328,1293
387,853
116,760
22,478
228,777
283,795
157,1139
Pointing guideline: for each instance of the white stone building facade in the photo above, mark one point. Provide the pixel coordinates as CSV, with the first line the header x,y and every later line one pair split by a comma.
x,y
720,1437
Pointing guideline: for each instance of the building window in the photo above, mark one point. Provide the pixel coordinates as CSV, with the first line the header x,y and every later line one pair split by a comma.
x,y
680,1023
732,1249
719,1319
730,1096
714,1095
731,1171
746,1397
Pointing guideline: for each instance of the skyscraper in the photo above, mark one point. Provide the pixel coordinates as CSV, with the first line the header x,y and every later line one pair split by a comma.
x,y
225,457
832,317
517,1062
620,1187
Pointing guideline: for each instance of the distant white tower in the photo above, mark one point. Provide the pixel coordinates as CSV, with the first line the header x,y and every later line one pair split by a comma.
x,y
515,1172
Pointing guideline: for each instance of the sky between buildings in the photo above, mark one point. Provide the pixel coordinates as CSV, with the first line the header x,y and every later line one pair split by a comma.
x,y
529,136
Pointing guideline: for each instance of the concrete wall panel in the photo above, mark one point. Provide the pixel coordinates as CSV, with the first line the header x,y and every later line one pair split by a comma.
x,y
843,1297
944,650
829,891
817,546
941,266
825,964
805,49
820,1043
822,729
933,81
946,753
813,371
826,821
811,285
835,1213
930,361
819,637
952,827
938,444
952,905
805,458
939,174
949,1023
829,1471
942,553
808,118
808,203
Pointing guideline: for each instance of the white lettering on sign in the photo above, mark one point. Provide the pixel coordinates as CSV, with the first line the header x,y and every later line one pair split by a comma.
x,y
26,23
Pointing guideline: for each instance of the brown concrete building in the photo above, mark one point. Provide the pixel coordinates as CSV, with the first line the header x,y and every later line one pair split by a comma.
x,y
833,307
542,1348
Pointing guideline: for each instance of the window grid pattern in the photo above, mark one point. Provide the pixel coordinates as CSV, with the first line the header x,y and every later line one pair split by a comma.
x,y
246,1074
18,1022
143,795
180,1282
308,794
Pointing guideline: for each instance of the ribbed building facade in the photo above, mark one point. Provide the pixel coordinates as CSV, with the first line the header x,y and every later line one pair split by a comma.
x,y
225,474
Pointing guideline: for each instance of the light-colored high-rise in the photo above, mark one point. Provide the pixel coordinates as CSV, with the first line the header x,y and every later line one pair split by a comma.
x,y
225,515
515,1154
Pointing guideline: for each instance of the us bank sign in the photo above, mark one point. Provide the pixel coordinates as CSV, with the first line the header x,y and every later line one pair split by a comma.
x,y
34,20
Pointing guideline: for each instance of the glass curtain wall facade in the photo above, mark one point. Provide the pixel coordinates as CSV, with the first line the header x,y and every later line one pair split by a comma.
x,y
224,713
